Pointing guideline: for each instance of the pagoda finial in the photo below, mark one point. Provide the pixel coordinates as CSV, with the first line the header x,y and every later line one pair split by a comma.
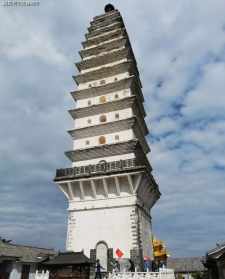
x,y
109,8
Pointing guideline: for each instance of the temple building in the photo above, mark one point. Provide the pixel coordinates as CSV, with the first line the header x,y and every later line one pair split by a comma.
x,y
109,187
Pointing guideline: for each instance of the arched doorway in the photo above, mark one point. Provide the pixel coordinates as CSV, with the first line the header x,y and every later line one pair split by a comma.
x,y
102,254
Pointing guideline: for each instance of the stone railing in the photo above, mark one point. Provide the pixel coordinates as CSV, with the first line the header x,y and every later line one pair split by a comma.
x,y
102,167
164,274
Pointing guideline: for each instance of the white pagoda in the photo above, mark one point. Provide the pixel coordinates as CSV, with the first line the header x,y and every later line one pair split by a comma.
x,y
109,187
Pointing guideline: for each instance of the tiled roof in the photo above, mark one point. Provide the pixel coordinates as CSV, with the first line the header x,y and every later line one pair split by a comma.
x,y
110,106
105,16
106,71
105,150
104,29
105,59
121,42
130,82
24,253
68,258
128,102
95,41
97,25
217,252
187,264
106,128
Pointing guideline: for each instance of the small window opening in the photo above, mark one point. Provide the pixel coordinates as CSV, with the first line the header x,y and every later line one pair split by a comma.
x,y
117,116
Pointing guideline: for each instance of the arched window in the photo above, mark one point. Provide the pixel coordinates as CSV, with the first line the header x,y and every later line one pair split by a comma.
x,y
102,140
117,137
103,118
89,102
87,142
102,254
89,121
116,96
117,116
102,99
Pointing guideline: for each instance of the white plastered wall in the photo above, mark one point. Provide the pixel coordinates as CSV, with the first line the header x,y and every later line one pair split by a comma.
x,y
95,119
96,82
109,98
111,225
110,139
107,159
103,66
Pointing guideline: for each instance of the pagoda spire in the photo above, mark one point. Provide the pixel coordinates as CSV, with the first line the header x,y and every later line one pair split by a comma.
x,y
109,8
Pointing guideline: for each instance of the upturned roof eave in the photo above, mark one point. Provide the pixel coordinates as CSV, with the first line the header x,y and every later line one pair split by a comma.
x,y
104,38
107,28
111,106
73,112
96,25
105,15
113,127
120,42
106,89
132,120
107,71
105,150
105,59
125,83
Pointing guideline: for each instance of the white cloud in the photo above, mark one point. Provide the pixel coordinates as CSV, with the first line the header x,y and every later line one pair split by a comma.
x,y
165,125
22,37
207,99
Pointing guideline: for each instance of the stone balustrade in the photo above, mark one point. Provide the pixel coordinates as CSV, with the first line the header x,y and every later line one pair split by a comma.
x,y
102,167
163,274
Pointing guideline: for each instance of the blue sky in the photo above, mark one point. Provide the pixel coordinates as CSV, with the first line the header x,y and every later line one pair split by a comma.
x,y
180,50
